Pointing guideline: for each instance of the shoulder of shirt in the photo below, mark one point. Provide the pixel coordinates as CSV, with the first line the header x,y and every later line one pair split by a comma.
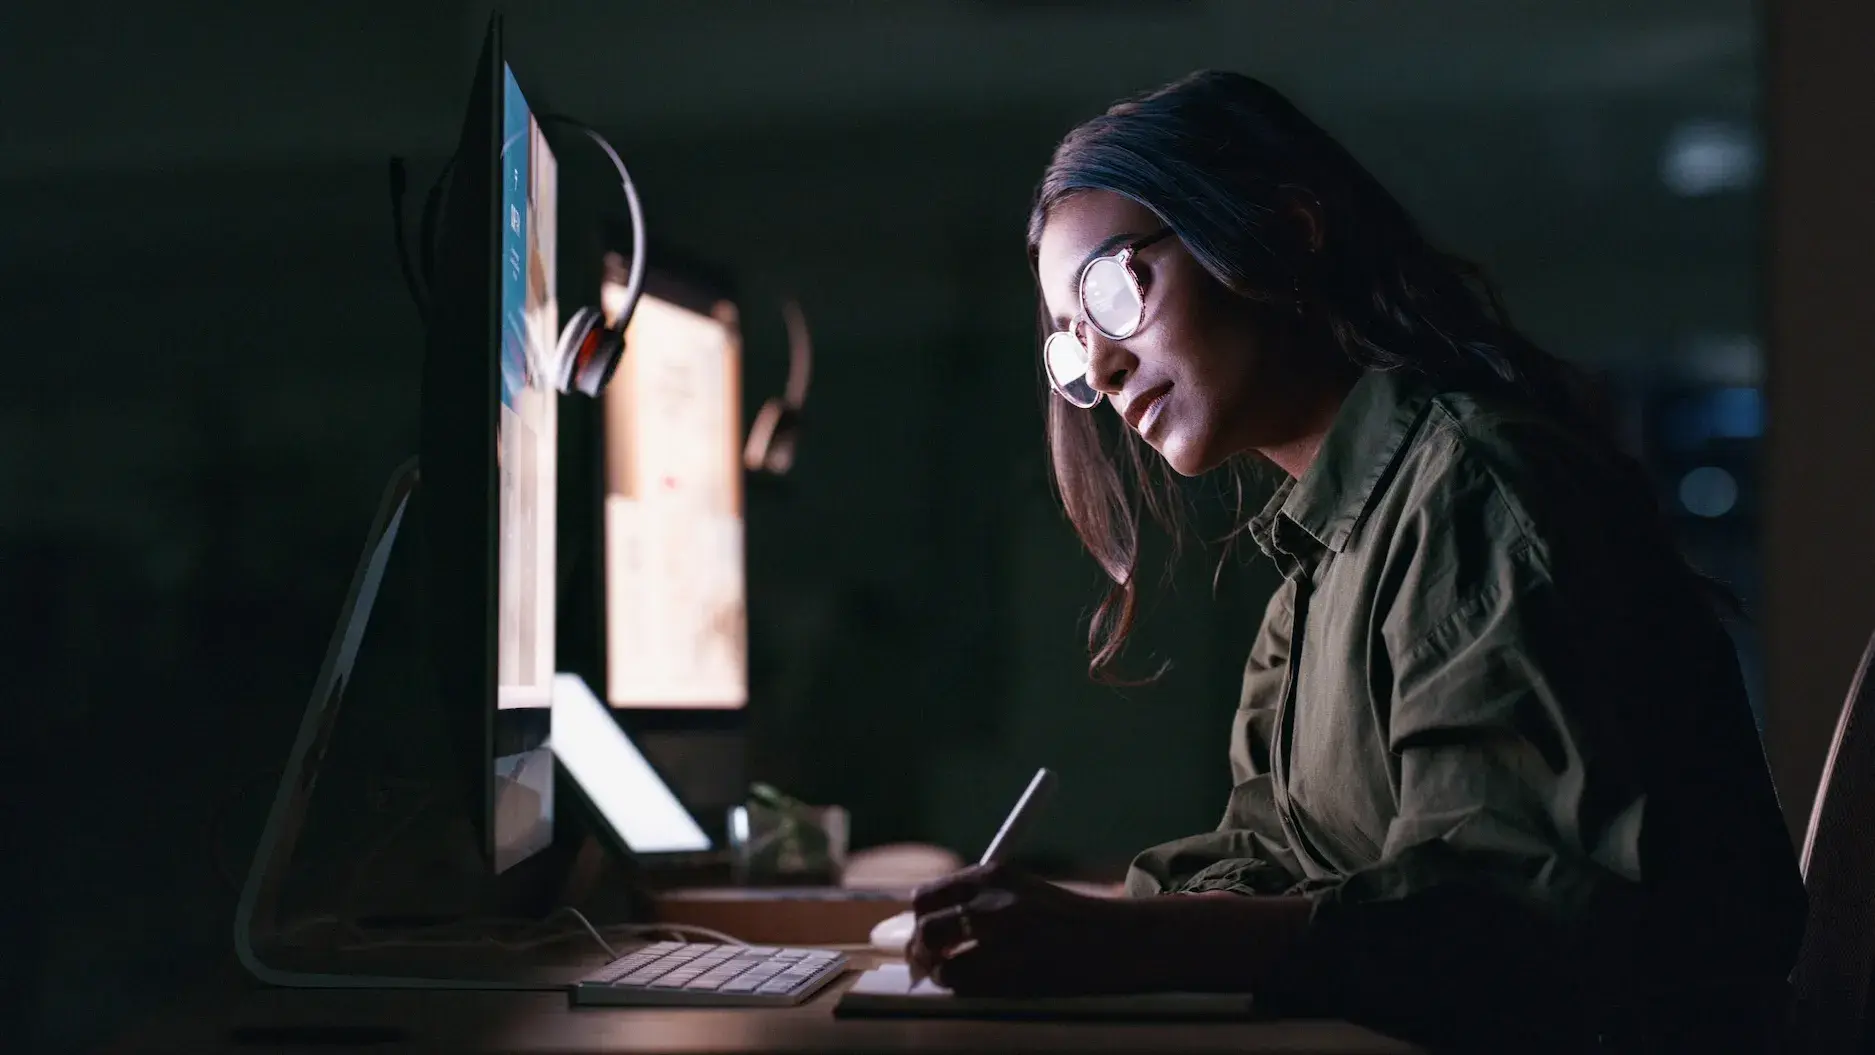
x,y
1476,455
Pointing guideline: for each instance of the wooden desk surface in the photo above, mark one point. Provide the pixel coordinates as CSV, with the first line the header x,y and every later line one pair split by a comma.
x,y
253,1020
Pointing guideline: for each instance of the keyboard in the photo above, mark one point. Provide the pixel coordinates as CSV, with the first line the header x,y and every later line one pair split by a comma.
x,y
706,974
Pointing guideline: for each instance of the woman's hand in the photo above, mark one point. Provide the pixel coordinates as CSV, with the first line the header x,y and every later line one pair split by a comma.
x,y
991,930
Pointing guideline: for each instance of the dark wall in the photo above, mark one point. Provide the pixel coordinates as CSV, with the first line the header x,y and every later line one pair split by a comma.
x,y
202,415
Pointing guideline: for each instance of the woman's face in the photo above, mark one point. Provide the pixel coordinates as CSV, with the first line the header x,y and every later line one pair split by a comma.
x,y
1206,374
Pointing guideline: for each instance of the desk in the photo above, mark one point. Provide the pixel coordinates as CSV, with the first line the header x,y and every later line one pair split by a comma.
x,y
254,1021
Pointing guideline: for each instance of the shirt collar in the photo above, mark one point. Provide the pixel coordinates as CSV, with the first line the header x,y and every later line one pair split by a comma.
x,y
1331,497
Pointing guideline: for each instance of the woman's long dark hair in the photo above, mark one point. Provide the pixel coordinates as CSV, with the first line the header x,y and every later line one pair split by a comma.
x,y
1224,161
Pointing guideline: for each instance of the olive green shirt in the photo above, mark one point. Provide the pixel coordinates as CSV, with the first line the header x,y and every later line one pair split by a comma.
x,y
1494,730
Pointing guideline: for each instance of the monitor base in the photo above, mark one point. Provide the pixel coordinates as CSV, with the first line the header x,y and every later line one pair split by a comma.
x,y
531,889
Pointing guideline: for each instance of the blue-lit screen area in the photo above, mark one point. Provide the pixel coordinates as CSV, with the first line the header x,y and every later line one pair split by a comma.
x,y
526,438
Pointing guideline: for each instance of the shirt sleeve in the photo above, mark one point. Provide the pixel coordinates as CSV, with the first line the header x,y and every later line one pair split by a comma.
x,y
1508,881
1247,853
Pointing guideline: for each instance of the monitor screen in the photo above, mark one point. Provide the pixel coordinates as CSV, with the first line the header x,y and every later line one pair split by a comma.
x,y
676,621
616,778
526,441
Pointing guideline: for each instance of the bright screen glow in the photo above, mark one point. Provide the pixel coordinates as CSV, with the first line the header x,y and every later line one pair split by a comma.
x,y
676,619
526,439
624,789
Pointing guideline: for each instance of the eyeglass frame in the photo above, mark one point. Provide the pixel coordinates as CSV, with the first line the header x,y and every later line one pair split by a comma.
x,y
1124,257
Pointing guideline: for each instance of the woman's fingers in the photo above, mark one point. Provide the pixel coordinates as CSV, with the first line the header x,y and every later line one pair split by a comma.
x,y
975,971
954,889
941,934
965,923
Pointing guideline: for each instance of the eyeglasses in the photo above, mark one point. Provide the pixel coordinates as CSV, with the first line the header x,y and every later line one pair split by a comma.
x,y
1112,299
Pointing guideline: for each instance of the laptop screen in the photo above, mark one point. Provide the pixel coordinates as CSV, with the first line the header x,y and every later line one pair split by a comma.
x,y
616,777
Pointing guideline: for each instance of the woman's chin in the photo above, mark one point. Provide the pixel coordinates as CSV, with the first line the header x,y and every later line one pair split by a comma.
x,y
1185,457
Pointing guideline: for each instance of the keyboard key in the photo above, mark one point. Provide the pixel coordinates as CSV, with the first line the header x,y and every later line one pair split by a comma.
x,y
613,972
764,971
645,975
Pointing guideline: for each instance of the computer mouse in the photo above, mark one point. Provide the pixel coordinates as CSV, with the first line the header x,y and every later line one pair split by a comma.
x,y
898,866
893,934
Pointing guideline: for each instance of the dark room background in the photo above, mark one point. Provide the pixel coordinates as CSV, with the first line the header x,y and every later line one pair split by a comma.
x,y
215,370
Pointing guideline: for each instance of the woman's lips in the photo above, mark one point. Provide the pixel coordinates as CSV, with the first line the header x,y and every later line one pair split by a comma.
x,y
1148,410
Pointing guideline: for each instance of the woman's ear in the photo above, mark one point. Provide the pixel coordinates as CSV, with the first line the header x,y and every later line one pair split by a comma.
x,y
1305,211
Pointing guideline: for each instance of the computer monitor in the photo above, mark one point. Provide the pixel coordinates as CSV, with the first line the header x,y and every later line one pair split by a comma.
x,y
676,617
488,459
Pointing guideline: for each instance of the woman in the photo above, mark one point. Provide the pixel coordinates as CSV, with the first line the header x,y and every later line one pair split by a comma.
x,y
1496,776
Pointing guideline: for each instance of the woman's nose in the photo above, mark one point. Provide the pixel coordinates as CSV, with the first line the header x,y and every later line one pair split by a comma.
x,y
1109,363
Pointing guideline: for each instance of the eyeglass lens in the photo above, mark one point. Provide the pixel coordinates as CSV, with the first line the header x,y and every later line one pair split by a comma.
x,y
1066,361
1110,298
1111,302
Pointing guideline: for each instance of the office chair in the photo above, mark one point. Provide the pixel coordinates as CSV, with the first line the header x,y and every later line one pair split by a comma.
x,y
1831,984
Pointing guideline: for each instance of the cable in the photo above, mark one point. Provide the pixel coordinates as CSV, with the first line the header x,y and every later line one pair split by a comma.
x,y
448,936
590,929
681,929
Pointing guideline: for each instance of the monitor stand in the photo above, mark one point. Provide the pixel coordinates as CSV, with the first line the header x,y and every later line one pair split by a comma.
x,y
255,914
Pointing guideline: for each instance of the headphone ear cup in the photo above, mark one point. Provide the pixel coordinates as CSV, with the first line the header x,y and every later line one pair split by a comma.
x,y
598,360
575,334
588,354
772,438
781,444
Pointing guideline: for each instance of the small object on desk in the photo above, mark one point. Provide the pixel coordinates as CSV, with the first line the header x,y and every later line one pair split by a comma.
x,y
898,866
888,992
776,839
906,923
892,935
706,974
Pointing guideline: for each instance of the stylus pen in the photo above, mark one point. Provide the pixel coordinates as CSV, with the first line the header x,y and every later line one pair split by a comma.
x,y
1026,807
1025,810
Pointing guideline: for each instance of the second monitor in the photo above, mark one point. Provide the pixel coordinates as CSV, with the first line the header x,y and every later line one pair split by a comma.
x,y
676,613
